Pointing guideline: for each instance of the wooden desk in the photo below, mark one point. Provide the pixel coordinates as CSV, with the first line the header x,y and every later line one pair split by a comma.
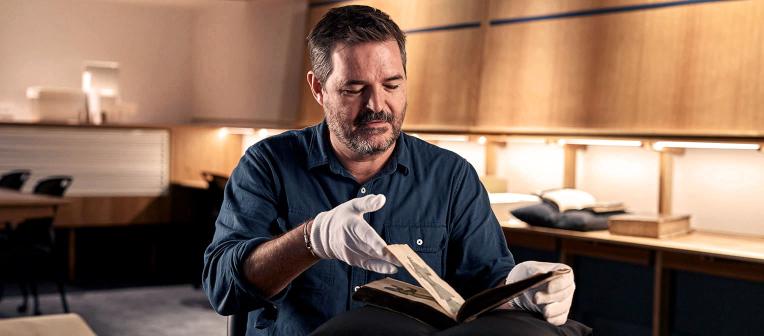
x,y
16,206
726,255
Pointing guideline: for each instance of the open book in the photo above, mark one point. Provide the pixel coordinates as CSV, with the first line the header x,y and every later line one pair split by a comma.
x,y
574,199
436,303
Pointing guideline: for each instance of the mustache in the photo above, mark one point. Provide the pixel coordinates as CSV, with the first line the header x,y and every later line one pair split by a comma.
x,y
367,115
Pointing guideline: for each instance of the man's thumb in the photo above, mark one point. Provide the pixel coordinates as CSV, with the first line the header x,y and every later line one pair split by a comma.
x,y
368,203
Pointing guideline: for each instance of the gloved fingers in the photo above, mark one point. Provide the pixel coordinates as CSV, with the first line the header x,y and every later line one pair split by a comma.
x,y
373,247
561,283
527,269
368,203
379,266
558,320
555,309
548,296
370,243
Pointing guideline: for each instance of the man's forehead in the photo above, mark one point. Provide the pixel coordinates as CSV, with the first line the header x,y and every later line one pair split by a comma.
x,y
367,61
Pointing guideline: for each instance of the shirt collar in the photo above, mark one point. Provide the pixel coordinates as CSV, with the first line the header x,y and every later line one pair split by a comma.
x,y
320,152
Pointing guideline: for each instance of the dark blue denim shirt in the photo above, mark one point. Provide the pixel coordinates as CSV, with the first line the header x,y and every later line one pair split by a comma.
x,y
435,203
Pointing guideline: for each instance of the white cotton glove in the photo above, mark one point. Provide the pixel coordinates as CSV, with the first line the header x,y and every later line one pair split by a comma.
x,y
343,234
552,299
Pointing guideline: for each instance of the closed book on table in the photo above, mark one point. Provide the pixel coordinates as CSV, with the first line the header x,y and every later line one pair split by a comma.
x,y
652,226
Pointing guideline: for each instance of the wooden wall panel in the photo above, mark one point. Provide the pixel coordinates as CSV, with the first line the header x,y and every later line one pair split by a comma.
x,y
437,62
195,149
443,78
415,14
687,68
505,9
113,211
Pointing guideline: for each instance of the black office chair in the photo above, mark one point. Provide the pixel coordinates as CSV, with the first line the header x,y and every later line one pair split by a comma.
x,y
215,187
14,179
209,210
237,324
33,246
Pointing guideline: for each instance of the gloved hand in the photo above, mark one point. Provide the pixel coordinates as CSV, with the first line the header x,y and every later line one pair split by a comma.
x,y
343,234
552,299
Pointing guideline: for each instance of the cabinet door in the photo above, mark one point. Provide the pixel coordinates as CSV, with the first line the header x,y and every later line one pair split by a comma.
x,y
442,63
443,78
690,69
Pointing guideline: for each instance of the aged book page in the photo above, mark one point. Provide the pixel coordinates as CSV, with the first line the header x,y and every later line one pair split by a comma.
x,y
406,291
446,296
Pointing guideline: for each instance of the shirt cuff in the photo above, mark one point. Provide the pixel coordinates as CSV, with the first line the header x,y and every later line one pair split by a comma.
x,y
269,305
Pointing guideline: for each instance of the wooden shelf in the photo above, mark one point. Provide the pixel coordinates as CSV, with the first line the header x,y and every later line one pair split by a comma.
x,y
718,254
710,244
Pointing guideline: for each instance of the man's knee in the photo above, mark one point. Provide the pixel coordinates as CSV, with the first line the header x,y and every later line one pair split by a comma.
x,y
511,323
371,321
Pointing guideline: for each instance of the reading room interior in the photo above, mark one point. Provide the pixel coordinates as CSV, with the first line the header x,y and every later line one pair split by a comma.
x,y
150,148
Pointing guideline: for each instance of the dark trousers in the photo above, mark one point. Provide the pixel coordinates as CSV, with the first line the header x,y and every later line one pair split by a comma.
x,y
370,321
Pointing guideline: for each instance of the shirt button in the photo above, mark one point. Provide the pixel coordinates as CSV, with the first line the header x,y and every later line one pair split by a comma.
x,y
363,190
419,242
355,289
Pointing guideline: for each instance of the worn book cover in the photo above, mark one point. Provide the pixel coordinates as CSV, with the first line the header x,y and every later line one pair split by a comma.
x,y
436,302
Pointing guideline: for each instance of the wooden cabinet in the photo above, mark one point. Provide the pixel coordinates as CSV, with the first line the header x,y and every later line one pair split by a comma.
x,y
695,68
443,79
443,61
637,66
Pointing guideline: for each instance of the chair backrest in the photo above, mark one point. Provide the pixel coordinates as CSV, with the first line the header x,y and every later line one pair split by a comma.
x,y
53,185
215,181
38,232
14,179
215,189
237,324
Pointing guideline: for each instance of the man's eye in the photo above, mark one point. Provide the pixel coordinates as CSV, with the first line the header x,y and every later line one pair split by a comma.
x,y
351,92
392,87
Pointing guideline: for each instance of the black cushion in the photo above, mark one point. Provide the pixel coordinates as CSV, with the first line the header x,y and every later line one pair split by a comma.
x,y
541,214
547,214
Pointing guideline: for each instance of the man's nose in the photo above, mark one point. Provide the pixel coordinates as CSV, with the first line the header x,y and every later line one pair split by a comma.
x,y
376,99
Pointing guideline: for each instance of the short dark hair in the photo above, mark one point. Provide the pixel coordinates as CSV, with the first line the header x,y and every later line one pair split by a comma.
x,y
350,25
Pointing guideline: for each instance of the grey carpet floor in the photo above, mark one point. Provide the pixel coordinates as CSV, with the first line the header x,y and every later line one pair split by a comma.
x,y
150,311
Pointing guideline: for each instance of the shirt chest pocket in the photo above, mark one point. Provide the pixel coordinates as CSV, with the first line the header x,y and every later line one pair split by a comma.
x,y
428,241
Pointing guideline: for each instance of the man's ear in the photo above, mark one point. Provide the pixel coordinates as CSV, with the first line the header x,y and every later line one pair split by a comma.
x,y
315,88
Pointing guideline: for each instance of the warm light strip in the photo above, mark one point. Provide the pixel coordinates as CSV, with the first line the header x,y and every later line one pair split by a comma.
x,y
704,145
539,141
600,142
443,137
240,130
87,81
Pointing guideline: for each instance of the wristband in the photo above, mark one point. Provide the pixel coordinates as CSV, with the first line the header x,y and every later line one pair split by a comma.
x,y
306,236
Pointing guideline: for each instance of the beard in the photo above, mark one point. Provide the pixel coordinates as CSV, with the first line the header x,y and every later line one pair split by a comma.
x,y
359,137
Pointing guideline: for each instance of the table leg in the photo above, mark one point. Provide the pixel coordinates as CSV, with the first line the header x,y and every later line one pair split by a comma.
x,y
661,296
72,255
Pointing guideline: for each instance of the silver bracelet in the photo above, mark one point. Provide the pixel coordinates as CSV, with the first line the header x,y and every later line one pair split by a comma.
x,y
307,239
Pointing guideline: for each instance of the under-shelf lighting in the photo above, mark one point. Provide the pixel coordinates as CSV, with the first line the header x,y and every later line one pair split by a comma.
x,y
444,137
601,142
660,145
222,132
536,141
240,130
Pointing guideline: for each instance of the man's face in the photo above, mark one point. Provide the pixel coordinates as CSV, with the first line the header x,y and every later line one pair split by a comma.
x,y
364,98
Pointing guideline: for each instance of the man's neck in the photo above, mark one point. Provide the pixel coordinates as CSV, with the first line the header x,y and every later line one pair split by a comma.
x,y
362,167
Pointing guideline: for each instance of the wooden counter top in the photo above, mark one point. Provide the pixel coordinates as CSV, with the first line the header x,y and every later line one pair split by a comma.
x,y
738,247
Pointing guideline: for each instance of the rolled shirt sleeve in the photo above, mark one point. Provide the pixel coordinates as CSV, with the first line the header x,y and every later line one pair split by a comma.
x,y
248,217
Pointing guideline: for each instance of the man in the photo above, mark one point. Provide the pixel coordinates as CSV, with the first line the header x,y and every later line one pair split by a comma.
x,y
307,214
